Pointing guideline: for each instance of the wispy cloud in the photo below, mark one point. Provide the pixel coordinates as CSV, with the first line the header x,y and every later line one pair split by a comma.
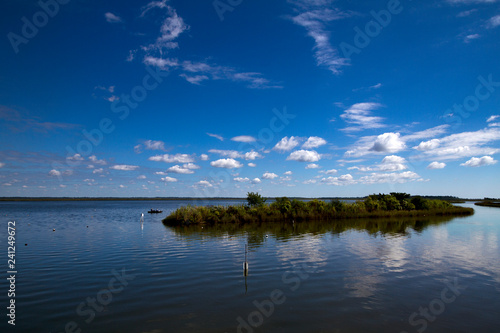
x,y
359,117
124,167
244,138
21,121
218,137
251,155
177,158
315,16
494,22
112,18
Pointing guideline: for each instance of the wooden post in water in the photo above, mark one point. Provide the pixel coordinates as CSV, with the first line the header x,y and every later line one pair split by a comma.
x,y
245,264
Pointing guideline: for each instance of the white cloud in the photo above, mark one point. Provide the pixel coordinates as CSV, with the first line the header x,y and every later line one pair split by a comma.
x,y
314,142
124,167
286,144
191,166
304,156
244,138
436,165
177,158
180,170
122,186
95,160
330,172
226,153
252,165
169,179
494,21
76,157
55,173
393,163
346,179
378,178
310,181
288,173
100,170
459,145
162,63
314,16
481,161
359,117
172,27
256,181
227,163
252,155
218,137
388,143
312,166
241,180
492,118
427,145
204,183
204,157
2,165
112,18
470,37
269,175
141,177
154,145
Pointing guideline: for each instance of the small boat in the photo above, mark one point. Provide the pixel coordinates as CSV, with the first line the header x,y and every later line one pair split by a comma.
x,y
155,211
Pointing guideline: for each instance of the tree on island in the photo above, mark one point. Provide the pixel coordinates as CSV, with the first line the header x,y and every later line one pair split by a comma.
x,y
255,199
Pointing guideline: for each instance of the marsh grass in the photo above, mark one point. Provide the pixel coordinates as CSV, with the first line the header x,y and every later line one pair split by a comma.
x,y
395,205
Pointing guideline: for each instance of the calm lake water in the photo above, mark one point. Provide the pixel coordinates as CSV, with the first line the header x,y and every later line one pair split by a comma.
x,y
101,270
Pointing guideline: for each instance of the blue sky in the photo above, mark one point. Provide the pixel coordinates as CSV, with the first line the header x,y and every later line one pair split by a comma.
x,y
219,98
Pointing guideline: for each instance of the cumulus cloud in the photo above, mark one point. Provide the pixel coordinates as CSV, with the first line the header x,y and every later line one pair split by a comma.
x,y
100,170
479,161
177,158
226,153
359,117
241,180
314,142
76,157
169,180
304,156
204,183
312,166
269,175
124,167
378,178
204,157
286,144
256,181
388,143
95,160
427,145
330,172
55,173
227,163
112,18
288,173
141,177
346,179
436,165
393,163
252,165
244,138
180,170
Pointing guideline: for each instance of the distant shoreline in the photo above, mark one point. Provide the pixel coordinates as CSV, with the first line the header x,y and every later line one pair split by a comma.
x,y
5,199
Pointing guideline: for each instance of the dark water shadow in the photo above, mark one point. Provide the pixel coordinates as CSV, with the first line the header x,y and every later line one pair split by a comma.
x,y
284,231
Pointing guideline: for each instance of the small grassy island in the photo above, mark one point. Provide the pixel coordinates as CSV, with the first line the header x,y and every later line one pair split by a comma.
x,y
489,202
284,209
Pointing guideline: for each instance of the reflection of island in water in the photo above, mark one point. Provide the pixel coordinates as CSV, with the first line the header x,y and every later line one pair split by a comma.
x,y
257,232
